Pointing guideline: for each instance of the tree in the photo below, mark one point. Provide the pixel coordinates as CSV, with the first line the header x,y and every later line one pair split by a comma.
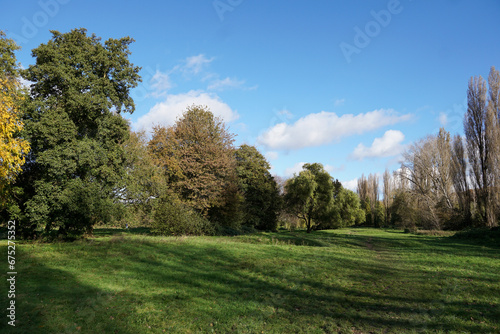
x,y
197,157
388,183
260,190
363,191
427,169
347,209
493,140
368,193
478,132
373,195
309,195
75,169
461,185
13,148
143,182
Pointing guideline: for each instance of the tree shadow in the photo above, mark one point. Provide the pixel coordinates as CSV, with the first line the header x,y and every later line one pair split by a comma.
x,y
199,287
51,301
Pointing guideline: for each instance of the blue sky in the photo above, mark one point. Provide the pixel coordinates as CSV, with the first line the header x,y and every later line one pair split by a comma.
x,y
345,83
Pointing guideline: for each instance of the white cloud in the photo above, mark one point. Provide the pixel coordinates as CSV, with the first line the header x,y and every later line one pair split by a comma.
x,y
166,112
227,83
295,169
194,64
286,114
339,102
351,185
386,146
326,127
443,119
160,83
332,169
271,155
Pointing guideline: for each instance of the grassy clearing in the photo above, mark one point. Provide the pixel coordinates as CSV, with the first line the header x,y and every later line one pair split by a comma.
x,y
343,281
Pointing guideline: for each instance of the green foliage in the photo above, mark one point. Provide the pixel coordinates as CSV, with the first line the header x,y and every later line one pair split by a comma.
x,y
379,215
8,63
172,217
144,181
348,209
309,195
403,212
261,195
76,167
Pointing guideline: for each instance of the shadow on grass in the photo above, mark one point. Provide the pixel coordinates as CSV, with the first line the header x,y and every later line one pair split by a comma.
x,y
132,285
51,301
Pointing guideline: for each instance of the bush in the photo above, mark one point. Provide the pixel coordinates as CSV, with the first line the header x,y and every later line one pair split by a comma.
x,y
484,234
411,230
172,217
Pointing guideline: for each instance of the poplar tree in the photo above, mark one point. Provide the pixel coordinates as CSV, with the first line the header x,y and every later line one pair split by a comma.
x,y
481,129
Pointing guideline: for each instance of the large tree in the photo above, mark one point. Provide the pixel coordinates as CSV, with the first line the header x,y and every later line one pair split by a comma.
x,y
76,167
388,183
197,156
13,148
427,167
310,195
481,128
461,184
260,190
368,191
346,210
493,139
144,181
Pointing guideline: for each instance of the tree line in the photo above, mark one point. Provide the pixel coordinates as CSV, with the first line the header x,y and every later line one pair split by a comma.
x,y
445,182
69,160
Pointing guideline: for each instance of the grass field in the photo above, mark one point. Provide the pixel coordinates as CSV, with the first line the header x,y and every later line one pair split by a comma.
x,y
342,281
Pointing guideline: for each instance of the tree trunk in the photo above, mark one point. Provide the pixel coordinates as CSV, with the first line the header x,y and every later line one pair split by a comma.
x,y
308,224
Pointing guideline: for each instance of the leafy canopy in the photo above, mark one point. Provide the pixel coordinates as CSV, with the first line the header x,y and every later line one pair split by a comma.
x,y
259,188
197,156
309,195
76,166
13,147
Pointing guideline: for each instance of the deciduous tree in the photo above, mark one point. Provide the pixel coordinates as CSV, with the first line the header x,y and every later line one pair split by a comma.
x,y
75,170
480,148
388,183
260,190
309,195
197,156
13,147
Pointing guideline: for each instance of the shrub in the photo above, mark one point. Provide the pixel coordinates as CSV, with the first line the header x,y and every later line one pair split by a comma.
x,y
411,229
172,217
484,234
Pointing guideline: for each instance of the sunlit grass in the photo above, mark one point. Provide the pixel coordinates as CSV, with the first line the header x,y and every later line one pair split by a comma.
x,y
348,281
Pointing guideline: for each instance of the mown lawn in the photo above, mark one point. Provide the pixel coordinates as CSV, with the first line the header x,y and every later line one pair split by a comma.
x,y
342,281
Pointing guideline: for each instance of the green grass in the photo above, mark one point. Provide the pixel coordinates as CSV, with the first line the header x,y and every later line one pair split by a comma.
x,y
343,281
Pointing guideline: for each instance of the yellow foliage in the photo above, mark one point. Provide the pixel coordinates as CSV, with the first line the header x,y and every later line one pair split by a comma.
x,y
12,149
